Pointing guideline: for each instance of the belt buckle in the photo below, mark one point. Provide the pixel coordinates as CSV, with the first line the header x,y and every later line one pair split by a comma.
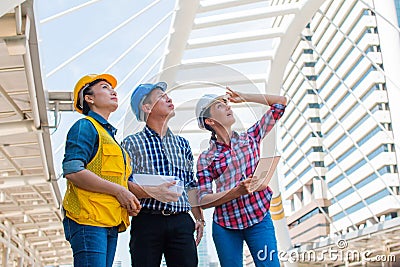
x,y
166,212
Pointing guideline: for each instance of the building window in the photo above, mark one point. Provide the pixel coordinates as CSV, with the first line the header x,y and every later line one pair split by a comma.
x,y
318,164
317,149
313,105
397,4
318,133
311,77
315,119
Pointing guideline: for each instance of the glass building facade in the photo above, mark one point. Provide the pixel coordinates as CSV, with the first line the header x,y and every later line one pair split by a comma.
x,y
338,150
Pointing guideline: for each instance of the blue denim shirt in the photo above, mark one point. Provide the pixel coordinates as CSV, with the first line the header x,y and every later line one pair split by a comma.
x,y
83,142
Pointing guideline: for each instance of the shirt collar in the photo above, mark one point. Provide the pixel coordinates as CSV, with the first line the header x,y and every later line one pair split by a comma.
x,y
235,138
150,132
102,121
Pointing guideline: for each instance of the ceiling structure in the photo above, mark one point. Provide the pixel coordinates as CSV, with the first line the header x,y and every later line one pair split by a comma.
x,y
30,218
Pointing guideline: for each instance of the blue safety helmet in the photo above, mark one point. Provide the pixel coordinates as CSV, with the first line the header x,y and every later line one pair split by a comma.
x,y
140,94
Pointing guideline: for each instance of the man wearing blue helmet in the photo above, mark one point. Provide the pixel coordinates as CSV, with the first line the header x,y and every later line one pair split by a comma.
x,y
163,225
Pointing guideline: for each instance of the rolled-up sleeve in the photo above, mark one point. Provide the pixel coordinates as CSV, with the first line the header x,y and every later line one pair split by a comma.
x,y
73,166
80,146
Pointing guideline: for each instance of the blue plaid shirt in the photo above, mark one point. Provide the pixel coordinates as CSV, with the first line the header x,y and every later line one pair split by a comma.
x,y
170,155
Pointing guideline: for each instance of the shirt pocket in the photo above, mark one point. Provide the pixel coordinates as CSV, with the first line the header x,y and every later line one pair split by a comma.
x,y
112,161
105,209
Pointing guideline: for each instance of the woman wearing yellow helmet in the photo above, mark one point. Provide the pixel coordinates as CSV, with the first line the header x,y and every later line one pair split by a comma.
x,y
97,202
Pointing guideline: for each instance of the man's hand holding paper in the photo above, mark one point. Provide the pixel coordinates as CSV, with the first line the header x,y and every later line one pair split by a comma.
x,y
161,187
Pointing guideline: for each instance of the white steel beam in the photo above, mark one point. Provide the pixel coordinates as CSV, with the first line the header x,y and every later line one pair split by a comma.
x,y
11,102
12,69
212,5
16,127
233,58
73,9
43,210
10,160
246,15
180,30
237,37
252,78
21,180
7,207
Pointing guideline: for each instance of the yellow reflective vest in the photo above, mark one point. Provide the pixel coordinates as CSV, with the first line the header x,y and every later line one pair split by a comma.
x,y
98,209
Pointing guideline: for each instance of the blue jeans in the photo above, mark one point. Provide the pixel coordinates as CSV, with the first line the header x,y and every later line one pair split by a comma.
x,y
92,246
260,238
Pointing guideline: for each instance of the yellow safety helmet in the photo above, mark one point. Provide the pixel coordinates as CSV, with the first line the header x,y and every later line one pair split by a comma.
x,y
86,80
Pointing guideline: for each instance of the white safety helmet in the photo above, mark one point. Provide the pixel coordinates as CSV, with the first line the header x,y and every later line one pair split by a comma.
x,y
203,104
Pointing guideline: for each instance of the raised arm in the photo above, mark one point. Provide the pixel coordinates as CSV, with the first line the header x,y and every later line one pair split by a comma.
x,y
264,99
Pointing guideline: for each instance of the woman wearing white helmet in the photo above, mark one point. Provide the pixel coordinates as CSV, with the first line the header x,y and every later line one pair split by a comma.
x,y
241,213
97,201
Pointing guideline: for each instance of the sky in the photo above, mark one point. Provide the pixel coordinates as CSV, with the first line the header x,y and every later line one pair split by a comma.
x,y
81,37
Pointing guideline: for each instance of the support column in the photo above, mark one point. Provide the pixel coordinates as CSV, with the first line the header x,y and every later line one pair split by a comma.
x,y
307,195
181,28
276,209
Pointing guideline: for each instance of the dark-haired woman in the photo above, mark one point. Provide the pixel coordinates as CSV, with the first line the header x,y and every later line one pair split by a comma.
x,y
241,211
97,202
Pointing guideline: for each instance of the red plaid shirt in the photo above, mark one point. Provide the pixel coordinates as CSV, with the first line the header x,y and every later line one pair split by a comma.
x,y
228,165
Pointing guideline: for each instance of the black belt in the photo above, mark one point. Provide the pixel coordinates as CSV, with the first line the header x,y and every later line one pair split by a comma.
x,y
161,212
